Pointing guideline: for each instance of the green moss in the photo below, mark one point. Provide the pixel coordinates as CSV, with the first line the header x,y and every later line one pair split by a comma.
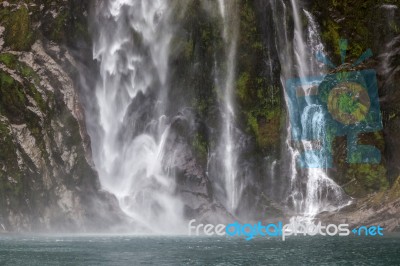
x,y
368,178
13,103
394,192
355,26
18,34
258,98
353,20
196,48
261,105
394,27
242,86
38,99
13,100
253,123
265,124
74,137
331,35
26,72
9,60
200,146
58,29
202,104
189,49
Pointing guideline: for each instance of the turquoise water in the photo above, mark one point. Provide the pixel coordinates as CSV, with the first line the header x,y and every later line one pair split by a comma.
x,y
137,250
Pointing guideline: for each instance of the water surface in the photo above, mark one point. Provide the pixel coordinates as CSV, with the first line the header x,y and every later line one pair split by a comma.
x,y
184,250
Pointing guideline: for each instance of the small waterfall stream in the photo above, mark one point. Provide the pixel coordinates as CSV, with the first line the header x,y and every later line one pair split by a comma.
x,y
311,189
227,142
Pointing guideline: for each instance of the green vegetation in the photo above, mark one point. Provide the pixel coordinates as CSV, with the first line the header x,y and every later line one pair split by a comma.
x,y
13,99
27,73
365,25
58,31
355,14
352,20
200,146
259,99
18,34
13,103
11,62
394,192
368,178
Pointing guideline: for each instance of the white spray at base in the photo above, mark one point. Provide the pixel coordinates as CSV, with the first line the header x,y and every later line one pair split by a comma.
x,y
132,45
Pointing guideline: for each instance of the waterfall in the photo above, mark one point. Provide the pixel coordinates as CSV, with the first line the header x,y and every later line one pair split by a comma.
x,y
311,190
131,122
315,44
299,43
228,151
132,45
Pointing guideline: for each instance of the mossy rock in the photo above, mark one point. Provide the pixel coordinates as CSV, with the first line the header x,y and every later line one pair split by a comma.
x,y
258,97
367,178
31,78
353,20
200,146
13,99
19,34
10,174
394,191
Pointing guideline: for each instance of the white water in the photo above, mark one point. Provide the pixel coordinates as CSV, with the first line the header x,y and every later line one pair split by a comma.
x,y
227,144
132,47
318,192
299,44
315,45
318,186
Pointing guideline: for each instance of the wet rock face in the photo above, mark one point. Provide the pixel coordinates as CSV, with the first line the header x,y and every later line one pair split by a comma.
x,y
381,208
373,25
390,98
46,177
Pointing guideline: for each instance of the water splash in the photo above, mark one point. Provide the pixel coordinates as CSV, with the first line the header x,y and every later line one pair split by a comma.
x,y
132,45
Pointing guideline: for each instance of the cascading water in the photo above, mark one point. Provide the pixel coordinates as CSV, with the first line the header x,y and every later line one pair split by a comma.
x,y
227,148
130,125
311,190
315,45
299,45
132,44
